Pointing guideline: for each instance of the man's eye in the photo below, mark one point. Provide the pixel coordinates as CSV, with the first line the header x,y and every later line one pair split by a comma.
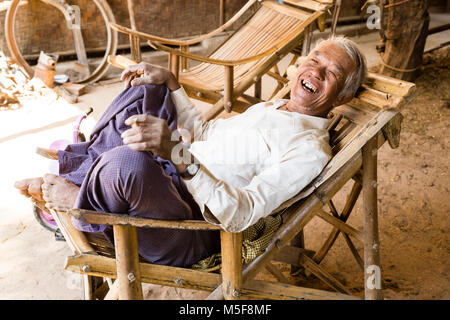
x,y
314,61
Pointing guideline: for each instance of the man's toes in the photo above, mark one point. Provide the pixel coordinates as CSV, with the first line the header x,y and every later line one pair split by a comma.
x,y
53,178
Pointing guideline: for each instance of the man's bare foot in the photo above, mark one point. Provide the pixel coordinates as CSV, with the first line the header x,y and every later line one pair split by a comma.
x,y
59,193
31,188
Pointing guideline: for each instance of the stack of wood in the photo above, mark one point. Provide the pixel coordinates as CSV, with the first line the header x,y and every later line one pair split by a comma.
x,y
12,83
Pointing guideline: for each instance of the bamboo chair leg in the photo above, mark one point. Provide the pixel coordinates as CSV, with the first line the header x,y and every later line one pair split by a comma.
x,y
372,273
258,89
351,201
228,88
231,264
174,64
184,60
127,259
299,242
134,41
276,273
349,242
307,42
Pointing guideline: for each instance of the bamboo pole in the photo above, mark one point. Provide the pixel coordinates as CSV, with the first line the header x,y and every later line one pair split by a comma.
x,y
134,40
372,271
184,60
231,244
174,64
128,271
258,88
221,12
228,88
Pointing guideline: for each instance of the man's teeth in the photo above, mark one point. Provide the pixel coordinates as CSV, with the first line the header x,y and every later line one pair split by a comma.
x,y
308,86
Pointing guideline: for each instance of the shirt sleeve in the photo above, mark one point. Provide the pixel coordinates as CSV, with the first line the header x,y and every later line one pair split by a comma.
x,y
235,209
187,115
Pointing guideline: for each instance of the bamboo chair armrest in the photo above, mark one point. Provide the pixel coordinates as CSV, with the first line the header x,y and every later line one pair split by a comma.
x,y
94,217
229,63
187,42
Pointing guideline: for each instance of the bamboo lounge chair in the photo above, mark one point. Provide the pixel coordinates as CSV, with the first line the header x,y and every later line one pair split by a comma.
x,y
250,52
357,130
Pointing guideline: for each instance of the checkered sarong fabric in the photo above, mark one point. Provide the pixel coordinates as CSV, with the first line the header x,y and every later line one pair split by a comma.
x,y
255,240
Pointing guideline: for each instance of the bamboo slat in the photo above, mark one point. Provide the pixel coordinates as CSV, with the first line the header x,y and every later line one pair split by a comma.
x,y
95,217
308,4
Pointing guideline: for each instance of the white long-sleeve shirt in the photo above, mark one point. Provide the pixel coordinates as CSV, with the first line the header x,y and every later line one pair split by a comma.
x,y
253,162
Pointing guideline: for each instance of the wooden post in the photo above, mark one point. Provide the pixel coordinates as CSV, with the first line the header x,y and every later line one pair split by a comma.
x,y
228,88
258,88
404,35
298,242
372,270
334,19
307,41
127,258
174,64
134,41
221,12
231,264
184,60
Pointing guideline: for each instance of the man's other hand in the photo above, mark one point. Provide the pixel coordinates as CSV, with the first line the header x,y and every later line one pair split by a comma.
x,y
149,133
146,73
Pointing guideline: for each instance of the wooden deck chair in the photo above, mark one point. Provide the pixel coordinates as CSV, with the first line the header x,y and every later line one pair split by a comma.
x,y
223,77
357,130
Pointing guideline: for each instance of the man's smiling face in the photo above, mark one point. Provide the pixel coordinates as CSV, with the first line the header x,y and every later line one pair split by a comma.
x,y
320,79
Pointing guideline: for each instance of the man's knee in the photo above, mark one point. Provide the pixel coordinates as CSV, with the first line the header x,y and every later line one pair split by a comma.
x,y
123,162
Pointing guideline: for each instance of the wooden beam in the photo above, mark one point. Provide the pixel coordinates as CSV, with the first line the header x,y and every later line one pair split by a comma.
x,y
94,217
228,88
340,225
102,266
174,64
258,289
231,244
128,271
372,270
194,279
350,203
323,275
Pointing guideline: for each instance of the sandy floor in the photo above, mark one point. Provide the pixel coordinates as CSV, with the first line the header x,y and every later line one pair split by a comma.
x,y
413,199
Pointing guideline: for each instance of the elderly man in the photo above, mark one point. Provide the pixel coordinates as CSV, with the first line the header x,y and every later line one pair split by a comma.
x,y
240,169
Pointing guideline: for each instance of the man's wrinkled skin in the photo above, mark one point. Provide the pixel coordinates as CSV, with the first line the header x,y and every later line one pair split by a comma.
x,y
318,82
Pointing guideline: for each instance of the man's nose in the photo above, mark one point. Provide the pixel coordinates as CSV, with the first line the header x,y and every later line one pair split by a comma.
x,y
318,73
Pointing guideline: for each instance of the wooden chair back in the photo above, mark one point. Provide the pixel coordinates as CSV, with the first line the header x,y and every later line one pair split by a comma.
x,y
272,24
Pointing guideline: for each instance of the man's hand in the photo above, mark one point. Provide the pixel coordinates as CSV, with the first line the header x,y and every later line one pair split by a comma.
x,y
150,133
145,73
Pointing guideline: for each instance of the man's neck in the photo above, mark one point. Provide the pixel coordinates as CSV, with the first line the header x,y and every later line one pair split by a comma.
x,y
285,107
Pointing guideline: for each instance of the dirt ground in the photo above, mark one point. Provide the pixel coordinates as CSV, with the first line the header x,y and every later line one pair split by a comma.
x,y
413,198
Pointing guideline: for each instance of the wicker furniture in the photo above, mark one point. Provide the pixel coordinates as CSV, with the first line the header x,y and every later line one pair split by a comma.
x,y
250,52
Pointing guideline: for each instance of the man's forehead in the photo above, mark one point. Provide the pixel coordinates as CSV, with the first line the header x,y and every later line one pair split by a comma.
x,y
338,56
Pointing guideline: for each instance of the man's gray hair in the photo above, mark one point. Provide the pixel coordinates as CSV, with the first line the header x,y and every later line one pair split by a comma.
x,y
357,77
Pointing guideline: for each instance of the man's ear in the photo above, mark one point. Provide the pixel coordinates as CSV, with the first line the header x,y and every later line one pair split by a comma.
x,y
342,100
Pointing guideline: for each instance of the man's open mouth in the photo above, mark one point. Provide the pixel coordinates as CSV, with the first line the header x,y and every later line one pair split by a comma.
x,y
308,86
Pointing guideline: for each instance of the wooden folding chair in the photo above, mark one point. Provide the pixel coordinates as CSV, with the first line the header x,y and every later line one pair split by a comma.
x,y
222,78
357,130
